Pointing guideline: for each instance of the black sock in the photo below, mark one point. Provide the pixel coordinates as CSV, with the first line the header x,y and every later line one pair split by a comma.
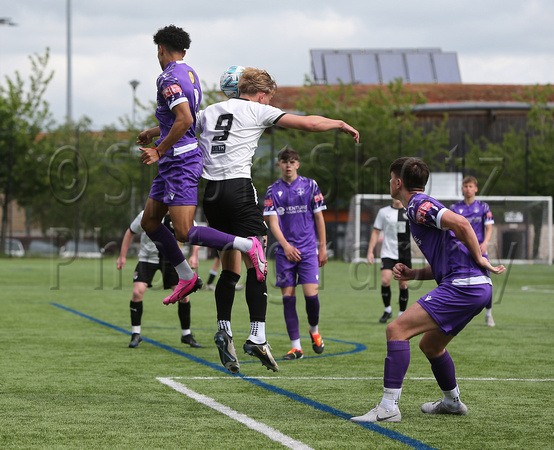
x,y
403,299
256,297
225,294
184,315
385,293
136,313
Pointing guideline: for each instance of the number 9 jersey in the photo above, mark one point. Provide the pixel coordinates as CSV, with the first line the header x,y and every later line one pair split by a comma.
x,y
229,134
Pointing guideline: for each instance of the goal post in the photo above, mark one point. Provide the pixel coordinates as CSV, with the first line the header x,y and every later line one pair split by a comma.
x,y
522,230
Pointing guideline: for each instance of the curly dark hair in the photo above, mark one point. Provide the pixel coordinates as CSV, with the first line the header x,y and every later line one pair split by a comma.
x,y
173,38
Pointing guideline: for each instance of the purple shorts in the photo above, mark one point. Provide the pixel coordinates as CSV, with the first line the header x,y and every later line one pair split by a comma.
x,y
177,179
305,271
453,307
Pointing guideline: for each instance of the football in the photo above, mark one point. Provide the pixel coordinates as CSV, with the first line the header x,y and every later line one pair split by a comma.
x,y
229,81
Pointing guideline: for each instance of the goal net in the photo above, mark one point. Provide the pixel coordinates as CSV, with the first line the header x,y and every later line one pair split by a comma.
x,y
522,230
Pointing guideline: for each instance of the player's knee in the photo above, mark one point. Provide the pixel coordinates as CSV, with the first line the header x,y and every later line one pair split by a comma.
x,y
181,234
429,349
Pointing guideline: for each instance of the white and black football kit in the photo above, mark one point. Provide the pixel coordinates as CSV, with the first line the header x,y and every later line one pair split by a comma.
x,y
230,131
396,241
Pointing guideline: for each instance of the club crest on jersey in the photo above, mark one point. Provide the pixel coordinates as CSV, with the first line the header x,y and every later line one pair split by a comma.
x,y
171,90
191,76
422,211
300,191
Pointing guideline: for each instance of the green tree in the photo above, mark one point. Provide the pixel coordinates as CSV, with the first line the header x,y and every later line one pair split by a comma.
x,y
23,115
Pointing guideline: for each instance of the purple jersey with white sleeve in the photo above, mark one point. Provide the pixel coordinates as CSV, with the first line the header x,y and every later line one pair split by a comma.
x,y
450,260
295,204
478,215
178,83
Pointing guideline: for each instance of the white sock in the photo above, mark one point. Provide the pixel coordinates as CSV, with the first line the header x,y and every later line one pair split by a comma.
x,y
225,325
314,329
135,329
242,244
184,271
296,344
452,398
400,313
390,398
388,309
257,332
185,332
488,312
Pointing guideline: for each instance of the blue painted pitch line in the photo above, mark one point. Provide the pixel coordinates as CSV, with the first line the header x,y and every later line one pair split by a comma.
x,y
304,400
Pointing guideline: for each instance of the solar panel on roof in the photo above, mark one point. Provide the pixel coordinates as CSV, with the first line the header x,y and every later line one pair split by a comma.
x,y
337,68
420,69
392,67
371,66
365,69
446,68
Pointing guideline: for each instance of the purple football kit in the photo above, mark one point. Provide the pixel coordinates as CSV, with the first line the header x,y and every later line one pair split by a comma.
x,y
295,205
463,287
180,168
478,215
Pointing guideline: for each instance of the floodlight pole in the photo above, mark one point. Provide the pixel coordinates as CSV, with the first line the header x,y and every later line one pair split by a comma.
x,y
69,111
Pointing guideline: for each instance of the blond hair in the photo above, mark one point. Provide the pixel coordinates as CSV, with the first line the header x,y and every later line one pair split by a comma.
x,y
254,80
470,179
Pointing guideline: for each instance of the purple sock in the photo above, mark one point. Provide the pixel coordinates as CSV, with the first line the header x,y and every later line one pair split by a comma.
x,y
210,237
444,371
291,317
167,245
396,363
312,308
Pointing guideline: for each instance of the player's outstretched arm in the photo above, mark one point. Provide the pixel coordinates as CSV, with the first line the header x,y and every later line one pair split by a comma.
x,y
317,124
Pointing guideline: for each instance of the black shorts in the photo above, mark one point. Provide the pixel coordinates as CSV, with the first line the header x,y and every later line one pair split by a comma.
x,y
232,206
145,271
389,263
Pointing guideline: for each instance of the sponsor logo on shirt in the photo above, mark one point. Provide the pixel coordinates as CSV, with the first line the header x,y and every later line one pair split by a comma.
x,y
191,76
171,90
218,149
422,211
280,193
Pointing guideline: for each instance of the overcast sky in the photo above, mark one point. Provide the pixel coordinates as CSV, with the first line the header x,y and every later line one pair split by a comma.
x,y
497,41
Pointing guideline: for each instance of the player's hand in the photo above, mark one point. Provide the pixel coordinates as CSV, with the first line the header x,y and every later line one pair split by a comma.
x,y
402,272
370,258
292,253
149,155
322,257
347,129
120,263
485,264
483,247
193,261
144,138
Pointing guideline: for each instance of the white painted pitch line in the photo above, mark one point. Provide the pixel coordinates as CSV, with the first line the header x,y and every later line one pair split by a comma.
x,y
361,378
271,433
